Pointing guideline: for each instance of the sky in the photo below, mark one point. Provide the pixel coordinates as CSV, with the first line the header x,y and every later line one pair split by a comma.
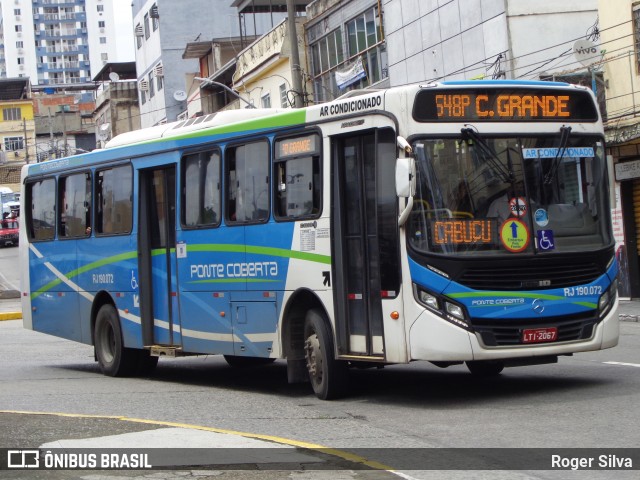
x,y
124,31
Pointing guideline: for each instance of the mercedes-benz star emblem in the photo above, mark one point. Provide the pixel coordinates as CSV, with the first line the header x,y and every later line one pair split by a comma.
x,y
537,306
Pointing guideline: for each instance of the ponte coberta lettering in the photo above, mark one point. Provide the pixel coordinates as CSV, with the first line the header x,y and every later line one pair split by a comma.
x,y
234,270
352,106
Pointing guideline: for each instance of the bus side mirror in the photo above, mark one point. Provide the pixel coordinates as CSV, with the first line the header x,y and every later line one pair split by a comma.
x,y
405,177
405,185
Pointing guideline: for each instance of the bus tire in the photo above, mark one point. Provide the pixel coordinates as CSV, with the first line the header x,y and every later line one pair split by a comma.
x,y
113,358
328,376
241,362
485,368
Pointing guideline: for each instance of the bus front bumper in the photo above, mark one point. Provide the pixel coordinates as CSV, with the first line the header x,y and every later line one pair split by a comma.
x,y
434,339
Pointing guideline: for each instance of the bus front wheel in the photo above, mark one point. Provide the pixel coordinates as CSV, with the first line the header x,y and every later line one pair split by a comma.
x,y
113,358
328,376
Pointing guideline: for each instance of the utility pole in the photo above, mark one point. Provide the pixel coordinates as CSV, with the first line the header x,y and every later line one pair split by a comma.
x,y
26,140
50,134
294,59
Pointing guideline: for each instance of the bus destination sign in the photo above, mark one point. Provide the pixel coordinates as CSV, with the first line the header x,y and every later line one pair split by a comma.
x,y
297,146
503,105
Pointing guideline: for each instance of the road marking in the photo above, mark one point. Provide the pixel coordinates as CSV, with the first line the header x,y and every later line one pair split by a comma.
x,y
623,364
284,441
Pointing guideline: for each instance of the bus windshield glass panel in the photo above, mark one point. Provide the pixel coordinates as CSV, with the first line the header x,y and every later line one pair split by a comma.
x,y
510,195
504,105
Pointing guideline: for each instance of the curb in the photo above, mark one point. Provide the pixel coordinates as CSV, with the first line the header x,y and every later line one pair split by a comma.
x,y
10,316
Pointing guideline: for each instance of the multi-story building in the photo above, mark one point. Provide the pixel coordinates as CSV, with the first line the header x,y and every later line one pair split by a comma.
x,y
347,48
456,40
116,108
620,38
17,130
162,29
56,42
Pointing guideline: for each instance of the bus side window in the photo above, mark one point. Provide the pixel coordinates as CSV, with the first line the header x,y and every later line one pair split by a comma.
x,y
114,194
298,188
74,193
201,189
247,183
41,219
297,172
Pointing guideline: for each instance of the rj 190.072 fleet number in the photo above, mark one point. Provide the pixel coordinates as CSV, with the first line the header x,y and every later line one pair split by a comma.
x,y
581,291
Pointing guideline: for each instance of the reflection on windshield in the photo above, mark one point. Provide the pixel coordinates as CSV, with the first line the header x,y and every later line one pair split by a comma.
x,y
509,195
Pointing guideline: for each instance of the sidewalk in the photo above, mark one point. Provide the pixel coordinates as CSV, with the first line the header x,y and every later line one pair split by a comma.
x,y
10,309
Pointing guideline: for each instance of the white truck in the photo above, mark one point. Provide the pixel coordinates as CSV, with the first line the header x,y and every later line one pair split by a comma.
x,y
10,203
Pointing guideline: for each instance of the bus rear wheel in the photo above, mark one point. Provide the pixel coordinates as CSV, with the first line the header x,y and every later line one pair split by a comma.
x,y
113,358
485,368
328,376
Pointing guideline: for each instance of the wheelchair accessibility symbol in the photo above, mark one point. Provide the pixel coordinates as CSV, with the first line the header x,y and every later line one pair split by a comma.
x,y
545,240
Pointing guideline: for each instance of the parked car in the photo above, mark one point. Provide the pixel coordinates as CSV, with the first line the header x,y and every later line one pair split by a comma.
x,y
9,232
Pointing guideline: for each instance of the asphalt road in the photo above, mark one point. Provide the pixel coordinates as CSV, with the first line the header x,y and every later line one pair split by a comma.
x,y
587,401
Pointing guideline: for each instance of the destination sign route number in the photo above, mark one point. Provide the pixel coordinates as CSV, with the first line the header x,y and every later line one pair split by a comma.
x,y
504,105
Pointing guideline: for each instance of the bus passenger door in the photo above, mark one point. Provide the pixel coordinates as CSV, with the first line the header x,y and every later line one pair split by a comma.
x,y
156,257
366,267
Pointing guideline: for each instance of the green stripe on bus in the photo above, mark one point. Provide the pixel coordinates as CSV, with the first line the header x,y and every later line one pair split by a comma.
x,y
541,296
233,248
86,268
270,251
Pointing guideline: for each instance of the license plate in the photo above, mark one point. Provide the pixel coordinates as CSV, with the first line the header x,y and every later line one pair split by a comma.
x,y
540,335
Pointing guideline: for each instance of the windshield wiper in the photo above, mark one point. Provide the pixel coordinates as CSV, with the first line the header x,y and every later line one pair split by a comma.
x,y
565,133
491,157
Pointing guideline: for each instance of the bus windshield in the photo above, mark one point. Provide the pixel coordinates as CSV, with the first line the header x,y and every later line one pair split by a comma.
x,y
510,194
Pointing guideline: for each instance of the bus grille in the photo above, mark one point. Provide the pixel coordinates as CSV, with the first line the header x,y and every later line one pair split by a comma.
x,y
538,276
508,332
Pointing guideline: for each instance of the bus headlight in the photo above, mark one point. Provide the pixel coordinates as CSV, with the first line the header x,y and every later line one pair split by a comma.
x,y
442,306
608,298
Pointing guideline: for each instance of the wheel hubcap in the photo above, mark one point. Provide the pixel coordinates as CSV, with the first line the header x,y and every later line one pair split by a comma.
x,y
314,358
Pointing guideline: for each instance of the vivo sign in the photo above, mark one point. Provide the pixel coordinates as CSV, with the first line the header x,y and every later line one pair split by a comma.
x,y
586,52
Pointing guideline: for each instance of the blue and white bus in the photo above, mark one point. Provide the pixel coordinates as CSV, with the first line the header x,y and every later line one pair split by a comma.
x,y
451,222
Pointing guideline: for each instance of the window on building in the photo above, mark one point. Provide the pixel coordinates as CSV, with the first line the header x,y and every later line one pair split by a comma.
x,y
159,82
20,44
18,28
103,40
114,206
201,205
11,144
152,88
147,32
636,34
284,99
100,8
101,24
266,100
247,183
363,61
11,114
104,57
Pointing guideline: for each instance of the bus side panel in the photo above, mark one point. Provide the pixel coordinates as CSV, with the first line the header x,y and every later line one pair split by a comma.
x,y
206,323
54,300
268,253
117,275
